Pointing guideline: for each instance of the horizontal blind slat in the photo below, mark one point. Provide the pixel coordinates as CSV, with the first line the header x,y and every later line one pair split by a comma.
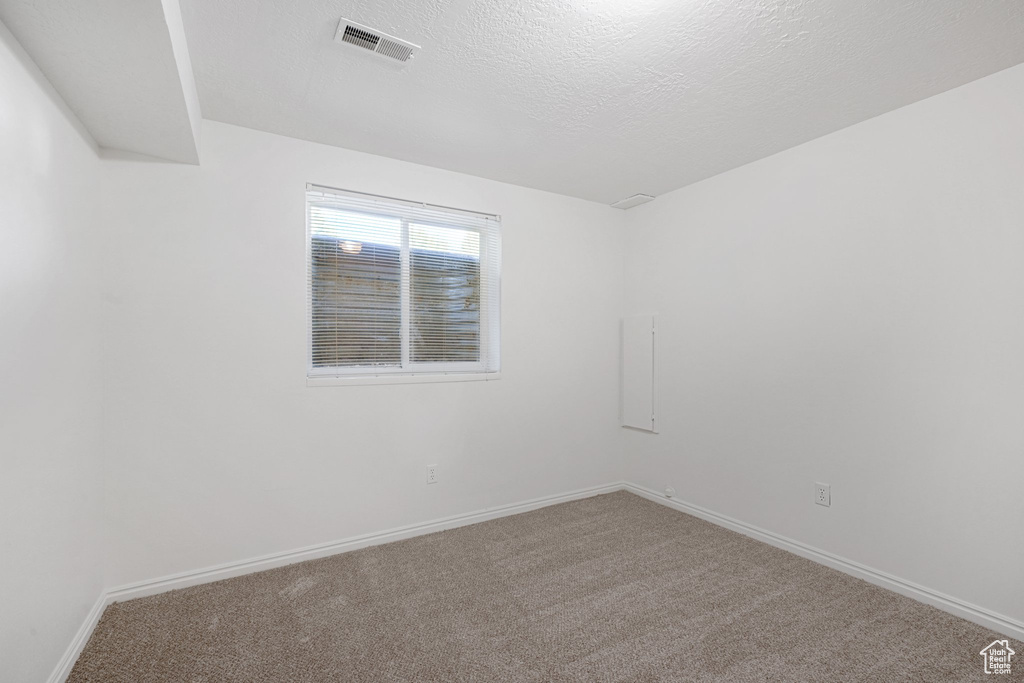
x,y
358,275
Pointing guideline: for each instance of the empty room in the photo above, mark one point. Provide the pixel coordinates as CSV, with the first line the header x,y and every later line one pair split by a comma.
x,y
500,341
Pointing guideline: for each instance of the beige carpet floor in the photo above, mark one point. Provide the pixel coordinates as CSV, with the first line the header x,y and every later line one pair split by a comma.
x,y
610,588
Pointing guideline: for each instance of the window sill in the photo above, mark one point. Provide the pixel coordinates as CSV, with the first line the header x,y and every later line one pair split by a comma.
x,y
355,380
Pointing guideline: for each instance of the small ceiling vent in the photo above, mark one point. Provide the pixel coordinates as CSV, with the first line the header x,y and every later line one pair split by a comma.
x,y
375,41
630,202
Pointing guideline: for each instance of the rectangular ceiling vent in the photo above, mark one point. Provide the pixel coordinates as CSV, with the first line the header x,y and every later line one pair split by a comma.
x,y
630,202
375,41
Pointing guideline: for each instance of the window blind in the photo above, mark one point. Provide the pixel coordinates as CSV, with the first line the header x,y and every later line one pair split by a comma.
x,y
399,287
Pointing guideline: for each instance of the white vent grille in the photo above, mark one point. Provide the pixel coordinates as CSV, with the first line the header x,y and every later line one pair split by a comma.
x,y
630,202
375,41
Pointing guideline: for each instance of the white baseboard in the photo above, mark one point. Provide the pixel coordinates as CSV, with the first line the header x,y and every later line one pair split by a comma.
x,y
258,564
996,622
70,656
979,615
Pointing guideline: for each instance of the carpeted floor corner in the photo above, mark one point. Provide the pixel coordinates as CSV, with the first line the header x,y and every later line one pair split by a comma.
x,y
610,588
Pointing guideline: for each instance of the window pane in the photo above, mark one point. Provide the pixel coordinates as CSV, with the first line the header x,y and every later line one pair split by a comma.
x,y
445,294
356,288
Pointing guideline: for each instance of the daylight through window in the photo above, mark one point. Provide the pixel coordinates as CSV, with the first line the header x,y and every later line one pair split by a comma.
x,y
400,288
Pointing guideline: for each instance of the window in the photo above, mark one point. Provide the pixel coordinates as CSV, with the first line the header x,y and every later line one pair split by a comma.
x,y
400,289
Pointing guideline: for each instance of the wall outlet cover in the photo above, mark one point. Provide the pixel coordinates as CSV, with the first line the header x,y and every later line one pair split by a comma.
x,y
823,494
431,474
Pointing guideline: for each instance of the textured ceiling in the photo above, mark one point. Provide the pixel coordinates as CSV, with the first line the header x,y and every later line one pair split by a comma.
x,y
599,99
593,98
121,65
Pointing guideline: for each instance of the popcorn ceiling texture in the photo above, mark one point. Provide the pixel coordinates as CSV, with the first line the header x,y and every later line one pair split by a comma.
x,y
598,99
610,588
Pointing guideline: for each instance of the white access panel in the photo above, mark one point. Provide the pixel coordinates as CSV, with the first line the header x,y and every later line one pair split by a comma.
x,y
638,372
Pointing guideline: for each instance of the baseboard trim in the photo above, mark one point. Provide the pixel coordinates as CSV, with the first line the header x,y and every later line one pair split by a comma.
x,y
231,569
271,561
979,615
70,656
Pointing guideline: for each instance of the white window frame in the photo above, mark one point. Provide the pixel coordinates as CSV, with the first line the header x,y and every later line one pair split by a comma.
x,y
408,372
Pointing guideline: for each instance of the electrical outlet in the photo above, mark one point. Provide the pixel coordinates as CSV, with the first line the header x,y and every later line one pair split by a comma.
x,y
823,494
431,474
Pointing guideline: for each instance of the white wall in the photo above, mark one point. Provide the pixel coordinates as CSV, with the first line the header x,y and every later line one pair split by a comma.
x,y
848,311
852,311
218,451
50,446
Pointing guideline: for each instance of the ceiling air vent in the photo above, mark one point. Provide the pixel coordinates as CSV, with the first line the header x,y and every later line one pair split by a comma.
x,y
630,202
375,41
